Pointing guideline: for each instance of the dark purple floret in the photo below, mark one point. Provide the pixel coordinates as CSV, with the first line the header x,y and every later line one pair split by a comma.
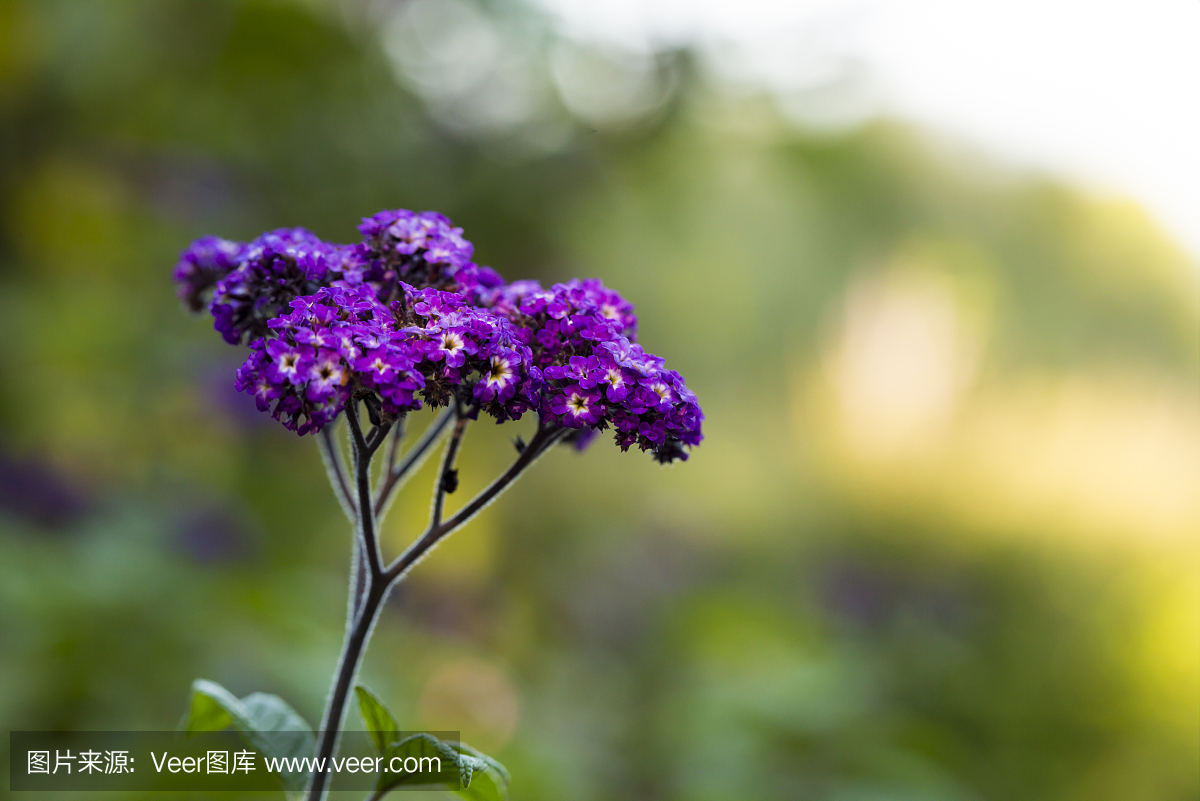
x,y
206,261
342,342
595,376
274,268
251,283
423,249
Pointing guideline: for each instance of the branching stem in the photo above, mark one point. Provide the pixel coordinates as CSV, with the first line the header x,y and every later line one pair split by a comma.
x,y
412,460
331,455
399,429
364,451
446,481
379,581
541,442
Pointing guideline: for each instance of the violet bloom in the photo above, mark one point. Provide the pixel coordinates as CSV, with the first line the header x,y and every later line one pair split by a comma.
x,y
499,380
453,347
581,337
577,407
422,249
325,376
206,261
407,317
273,270
246,285
583,371
339,343
372,331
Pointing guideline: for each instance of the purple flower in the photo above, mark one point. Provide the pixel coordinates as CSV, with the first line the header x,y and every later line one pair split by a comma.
x,y
325,375
422,249
662,397
577,407
583,371
499,380
378,365
320,338
206,261
407,232
407,317
341,341
581,336
452,346
615,381
288,362
434,305
272,271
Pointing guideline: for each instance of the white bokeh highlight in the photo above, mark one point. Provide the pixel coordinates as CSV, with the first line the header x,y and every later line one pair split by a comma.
x,y
1100,92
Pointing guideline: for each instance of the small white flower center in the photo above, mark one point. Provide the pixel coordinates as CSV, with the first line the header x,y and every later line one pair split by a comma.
x,y
500,372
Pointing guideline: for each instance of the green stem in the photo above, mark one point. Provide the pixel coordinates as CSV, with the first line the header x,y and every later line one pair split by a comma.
x,y
379,581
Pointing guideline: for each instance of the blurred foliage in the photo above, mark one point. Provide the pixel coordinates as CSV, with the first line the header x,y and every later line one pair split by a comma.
x,y
940,542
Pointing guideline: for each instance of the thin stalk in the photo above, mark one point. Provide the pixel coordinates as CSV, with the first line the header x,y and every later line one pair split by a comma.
x,y
363,617
364,450
347,671
541,442
412,460
442,485
332,457
378,581
399,429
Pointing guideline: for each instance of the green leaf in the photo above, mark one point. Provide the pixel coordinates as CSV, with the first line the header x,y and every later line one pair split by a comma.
x,y
489,781
500,770
480,778
266,723
276,730
421,746
380,723
209,709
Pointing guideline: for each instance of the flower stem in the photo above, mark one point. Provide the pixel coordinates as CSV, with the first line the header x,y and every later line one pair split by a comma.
x,y
366,608
348,664
541,442
412,460
367,570
332,457
364,451
443,481
399,429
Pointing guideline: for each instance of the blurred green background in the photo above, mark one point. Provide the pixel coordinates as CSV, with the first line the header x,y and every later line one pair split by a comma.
x,y
941,541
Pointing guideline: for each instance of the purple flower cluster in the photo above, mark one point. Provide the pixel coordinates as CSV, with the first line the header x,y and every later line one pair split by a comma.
x,y
253,282
594,375
425,250
405,316
205,262
340,343
272,270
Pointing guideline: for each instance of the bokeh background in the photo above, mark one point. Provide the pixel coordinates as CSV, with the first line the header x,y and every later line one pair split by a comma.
x,y
941,541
